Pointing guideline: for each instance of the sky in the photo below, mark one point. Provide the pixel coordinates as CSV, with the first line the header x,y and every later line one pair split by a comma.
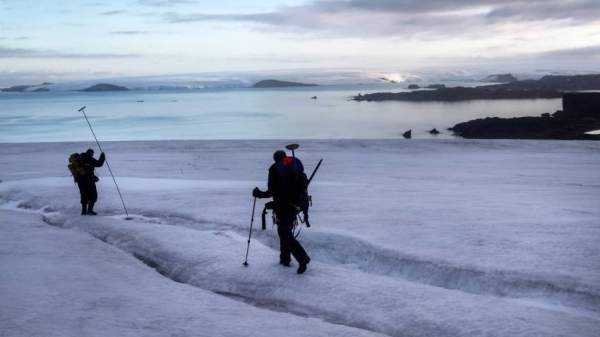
x,y
67,39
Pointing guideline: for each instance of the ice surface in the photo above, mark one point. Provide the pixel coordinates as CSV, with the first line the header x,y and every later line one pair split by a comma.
x,y
415,238
64,283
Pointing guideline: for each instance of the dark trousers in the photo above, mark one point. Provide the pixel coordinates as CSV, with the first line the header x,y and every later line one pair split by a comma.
x,y
87,191
288,243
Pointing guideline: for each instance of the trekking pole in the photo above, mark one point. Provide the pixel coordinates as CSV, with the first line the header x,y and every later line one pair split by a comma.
x,y
82,110
250,234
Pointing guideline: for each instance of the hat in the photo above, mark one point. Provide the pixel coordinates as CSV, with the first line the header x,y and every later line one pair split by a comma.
x,y
279,155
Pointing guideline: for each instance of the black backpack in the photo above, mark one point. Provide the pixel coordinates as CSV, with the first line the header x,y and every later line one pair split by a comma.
x,y
292,181
293,188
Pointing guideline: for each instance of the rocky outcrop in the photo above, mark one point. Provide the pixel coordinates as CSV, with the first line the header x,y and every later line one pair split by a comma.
x,y
546,87
554,82
580,114
17,88
458,94
436,86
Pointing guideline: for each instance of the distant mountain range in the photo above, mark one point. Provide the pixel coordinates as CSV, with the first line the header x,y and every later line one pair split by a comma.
x,y
274,79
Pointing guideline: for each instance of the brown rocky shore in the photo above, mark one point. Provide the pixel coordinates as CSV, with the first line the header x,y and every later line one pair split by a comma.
x,y
580,114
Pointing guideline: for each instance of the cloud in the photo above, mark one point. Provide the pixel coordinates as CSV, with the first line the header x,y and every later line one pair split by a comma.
x,y
35,53
114,12
165,3
405,17
17,38
130,32
583,53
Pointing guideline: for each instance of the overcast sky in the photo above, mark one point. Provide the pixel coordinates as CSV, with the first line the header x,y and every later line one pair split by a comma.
x,y
87,38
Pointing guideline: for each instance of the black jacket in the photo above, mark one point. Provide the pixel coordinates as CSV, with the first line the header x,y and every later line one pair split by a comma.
x,y
89,163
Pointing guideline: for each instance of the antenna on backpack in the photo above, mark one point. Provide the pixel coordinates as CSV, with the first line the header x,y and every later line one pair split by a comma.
x,y
292,147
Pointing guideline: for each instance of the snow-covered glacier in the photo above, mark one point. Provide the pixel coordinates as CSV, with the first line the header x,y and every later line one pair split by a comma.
x,y
409,238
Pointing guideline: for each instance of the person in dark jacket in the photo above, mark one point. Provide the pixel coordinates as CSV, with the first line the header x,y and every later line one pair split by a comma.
x,y
87,181
286,183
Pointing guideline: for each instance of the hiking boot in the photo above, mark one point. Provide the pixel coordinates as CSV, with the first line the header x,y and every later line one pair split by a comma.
x,y
90,210
303,264
285,263
83,210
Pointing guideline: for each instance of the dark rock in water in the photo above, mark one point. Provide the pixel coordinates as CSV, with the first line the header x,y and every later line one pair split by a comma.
x,y
500,78
580,114
413,86
47,83
105,87
407,134
314,97
280,84
436,86
434,131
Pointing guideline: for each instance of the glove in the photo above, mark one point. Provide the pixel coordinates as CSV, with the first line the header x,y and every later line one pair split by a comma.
x,y
256,192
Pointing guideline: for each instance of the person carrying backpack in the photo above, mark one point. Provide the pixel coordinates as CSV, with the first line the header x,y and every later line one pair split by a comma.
x,y
82,167
287,185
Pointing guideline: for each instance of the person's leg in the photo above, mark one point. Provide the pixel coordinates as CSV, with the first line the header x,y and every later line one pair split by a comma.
x,y
93,196
83,196
284,244
289,242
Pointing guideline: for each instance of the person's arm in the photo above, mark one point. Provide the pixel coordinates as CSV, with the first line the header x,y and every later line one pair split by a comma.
x,y
100,161
271,185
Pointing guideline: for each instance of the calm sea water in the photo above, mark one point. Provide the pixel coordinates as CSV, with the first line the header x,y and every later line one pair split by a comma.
x,y
239,114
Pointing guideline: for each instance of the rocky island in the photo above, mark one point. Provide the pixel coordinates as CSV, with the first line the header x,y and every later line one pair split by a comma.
x,y
280,84
104,87
27,88
580,114
546,87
